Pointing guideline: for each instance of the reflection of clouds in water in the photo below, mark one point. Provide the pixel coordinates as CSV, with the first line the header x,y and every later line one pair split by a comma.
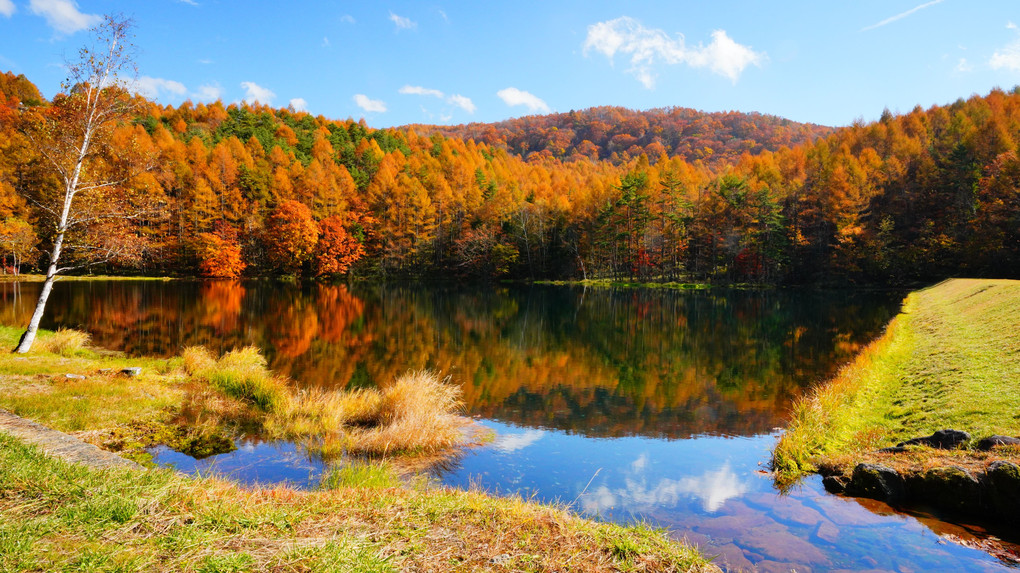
x,y
713,488
507,443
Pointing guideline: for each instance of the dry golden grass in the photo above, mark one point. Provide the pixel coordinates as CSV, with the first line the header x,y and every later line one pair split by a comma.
x,y
417,414
64,341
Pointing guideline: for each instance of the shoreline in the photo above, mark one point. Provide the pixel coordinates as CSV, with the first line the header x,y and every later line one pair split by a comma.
x,y
362,516
946,362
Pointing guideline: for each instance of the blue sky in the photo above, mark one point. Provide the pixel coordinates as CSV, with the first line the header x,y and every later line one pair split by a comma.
x,y
400,62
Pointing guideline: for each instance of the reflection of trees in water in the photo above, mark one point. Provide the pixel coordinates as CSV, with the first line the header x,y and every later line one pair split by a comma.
x,y
600,362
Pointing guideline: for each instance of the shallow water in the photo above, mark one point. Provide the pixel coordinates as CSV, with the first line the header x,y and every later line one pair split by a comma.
x,y
647,405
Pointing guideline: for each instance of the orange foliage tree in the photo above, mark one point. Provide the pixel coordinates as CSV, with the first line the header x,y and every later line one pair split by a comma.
x,y
219,253
338,247
291,236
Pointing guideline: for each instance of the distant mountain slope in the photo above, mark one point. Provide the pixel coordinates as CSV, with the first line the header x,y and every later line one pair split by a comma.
x,y
617,133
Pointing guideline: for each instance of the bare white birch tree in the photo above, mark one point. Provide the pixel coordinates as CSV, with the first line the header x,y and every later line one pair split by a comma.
x,y
73,135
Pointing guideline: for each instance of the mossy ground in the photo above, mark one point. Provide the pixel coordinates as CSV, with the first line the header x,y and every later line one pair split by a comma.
x,y
951,359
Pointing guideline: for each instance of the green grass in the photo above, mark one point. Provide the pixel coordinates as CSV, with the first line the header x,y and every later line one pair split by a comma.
x,y
951,359
58,516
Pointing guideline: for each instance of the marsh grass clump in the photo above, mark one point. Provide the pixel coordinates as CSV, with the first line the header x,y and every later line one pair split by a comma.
x,y
241,373
417,413
65,341
360,473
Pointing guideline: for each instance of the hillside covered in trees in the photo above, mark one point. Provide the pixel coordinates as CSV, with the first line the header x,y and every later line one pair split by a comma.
x,y
229,190
618,134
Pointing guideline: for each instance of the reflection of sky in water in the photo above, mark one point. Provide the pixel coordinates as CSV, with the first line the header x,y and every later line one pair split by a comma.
x,y
707,489
618,478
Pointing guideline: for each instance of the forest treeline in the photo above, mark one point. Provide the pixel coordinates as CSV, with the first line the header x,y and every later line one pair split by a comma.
x,y
228,190
618,134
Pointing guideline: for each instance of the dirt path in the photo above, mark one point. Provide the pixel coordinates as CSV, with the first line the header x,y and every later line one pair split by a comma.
x,y
61,445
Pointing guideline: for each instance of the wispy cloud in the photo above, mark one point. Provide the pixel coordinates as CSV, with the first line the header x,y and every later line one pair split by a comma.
x,y
402,22
208,92
509,443
963,66
1010,26
514,97
463,102
7,8
299,104
418,90
648,47
901,15
325,42
188,2
63,15
347,19
256,93
153,88
368,104
1008,58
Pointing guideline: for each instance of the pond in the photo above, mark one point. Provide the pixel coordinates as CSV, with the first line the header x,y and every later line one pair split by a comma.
x,y
636,404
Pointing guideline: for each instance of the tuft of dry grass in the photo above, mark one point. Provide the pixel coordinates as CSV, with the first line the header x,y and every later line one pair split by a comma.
x,y
241,373
418,413
65,341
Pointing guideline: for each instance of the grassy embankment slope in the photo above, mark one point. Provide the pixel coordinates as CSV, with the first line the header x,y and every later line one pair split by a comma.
x,y
57,516
951,359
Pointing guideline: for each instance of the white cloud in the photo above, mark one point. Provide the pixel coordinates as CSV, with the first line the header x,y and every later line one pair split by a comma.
x,y
63,15
713,488
508,443
418,90
256,93
152,88
325,41
458,100
514,97
208,92
347,19
463,102
445,17
205,62
368,104
1008,58
7,8
964,66
402,22
189,2
892,19
648,47
1010,26
299,104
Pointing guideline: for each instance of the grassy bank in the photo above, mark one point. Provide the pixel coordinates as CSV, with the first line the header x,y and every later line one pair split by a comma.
x,y
197,402
951,359
62,517
57,516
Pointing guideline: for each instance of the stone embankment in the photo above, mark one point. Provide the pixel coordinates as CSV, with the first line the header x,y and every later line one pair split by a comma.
x,y
61,445
991,490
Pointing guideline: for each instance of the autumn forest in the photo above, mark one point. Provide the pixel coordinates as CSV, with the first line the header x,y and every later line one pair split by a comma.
x,y
670,194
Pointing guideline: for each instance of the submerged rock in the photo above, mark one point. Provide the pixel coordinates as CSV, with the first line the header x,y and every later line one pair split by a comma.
x,y
942,439
991,441
877,482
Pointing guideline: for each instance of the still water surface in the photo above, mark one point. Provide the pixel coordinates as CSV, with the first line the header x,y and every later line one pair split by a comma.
x,y
648,405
